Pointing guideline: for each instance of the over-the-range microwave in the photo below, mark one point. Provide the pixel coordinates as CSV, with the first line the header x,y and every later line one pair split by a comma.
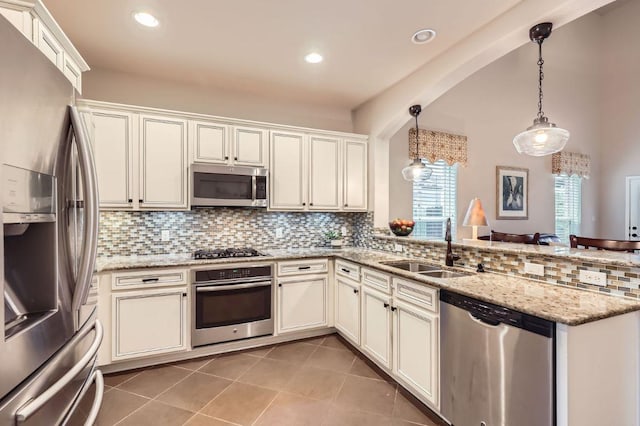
x,y
228,186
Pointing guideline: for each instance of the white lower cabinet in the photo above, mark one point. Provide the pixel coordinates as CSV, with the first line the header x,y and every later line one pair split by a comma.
x,y
302,303
375,336
347,308
415,350
148,322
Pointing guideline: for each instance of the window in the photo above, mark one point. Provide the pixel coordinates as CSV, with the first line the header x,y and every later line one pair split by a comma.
x,y
434,200
568,190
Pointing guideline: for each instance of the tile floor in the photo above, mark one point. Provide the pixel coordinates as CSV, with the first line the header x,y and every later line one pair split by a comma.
x,y
312,382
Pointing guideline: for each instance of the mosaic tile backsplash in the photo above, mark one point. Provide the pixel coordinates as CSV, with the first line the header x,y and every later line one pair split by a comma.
x,y
137,233
621,280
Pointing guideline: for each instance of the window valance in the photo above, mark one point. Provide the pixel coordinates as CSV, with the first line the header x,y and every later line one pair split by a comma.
x,y
434,146
571,163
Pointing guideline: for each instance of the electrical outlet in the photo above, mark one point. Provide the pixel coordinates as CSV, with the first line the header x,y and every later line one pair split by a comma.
x,y
593,277
343,231
165,235
533,269
398,247
279,232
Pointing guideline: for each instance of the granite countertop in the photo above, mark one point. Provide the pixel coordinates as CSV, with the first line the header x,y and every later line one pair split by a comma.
x,y
557,303
561,251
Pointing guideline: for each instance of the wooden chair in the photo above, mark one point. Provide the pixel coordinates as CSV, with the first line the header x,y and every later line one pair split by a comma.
x,y
512,238
600,244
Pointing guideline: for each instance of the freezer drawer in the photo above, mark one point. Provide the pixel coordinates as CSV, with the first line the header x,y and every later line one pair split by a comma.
x,y
497,366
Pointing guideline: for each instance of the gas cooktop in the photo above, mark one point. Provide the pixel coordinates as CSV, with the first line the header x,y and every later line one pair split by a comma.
x,y
225,253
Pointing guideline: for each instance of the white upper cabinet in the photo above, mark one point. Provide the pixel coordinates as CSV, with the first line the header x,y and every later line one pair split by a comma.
x,y
209,142
316,175
324,173
355,175
288,170
250,146
219,143
49,45
112,135
163,162
36,23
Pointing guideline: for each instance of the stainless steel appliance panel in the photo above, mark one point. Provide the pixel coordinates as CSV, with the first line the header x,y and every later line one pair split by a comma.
x,y
229,186
231,304
494,373
33,105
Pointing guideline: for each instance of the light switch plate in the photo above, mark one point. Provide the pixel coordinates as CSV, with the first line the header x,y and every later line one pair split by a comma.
x,y
533,269
343,231
165,235
279,232
593,277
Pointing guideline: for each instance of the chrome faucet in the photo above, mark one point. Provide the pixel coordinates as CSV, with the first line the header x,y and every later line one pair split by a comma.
x,y
451,257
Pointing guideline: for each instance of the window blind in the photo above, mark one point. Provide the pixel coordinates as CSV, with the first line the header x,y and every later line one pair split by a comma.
x,y
434,200
568,206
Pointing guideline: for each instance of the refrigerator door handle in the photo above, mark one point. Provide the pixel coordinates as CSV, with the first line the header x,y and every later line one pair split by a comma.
x,y
31,407
97,399
90,194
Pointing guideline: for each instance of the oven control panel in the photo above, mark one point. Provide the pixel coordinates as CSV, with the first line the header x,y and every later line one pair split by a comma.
x,y
232,273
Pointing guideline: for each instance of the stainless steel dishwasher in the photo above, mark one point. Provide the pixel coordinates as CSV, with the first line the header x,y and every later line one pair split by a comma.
x,y
497,366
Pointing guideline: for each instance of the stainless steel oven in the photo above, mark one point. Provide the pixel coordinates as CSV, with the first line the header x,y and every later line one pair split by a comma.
x,y
228,186
231,303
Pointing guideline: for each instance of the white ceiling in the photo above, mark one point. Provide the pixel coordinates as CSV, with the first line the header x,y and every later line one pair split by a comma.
x,y
258,46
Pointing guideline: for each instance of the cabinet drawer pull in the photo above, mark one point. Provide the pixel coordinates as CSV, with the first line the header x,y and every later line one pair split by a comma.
x,y
346,270
150,280
302,268
386,305
356,291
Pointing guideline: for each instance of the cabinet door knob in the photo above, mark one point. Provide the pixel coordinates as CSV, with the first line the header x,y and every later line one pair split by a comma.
x,y
279,285
386,305
356,291
310,204
346,205
304,204
130,200
393,309
226,157
141,200
235,158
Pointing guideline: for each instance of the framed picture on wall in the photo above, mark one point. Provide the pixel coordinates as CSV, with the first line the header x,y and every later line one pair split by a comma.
x,y
512,193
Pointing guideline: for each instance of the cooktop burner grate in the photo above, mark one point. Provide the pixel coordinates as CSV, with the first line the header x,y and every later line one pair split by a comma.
x,y
226,253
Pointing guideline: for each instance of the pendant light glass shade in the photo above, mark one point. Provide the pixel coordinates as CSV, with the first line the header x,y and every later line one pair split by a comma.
x,y
543,137
416,171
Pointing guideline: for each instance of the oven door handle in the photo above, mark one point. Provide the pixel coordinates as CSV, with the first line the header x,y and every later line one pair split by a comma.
x,y
211,288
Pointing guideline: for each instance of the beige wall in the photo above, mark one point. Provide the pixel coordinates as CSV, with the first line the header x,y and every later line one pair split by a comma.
x,y
113,86
620,114
499,101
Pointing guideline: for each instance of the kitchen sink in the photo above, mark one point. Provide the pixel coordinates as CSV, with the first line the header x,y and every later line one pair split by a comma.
x,y
444,274
411,266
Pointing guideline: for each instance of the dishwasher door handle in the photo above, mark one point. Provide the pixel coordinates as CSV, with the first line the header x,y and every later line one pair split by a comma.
x,y
484,321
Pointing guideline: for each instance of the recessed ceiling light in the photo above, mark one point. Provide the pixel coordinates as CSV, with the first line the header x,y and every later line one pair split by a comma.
x,y
423,36
313,58
146,19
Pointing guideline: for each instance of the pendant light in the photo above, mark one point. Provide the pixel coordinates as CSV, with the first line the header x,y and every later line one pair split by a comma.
x,y
543,137
416,170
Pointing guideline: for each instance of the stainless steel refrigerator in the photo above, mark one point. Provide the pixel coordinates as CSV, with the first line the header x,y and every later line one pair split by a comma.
x,y
51,336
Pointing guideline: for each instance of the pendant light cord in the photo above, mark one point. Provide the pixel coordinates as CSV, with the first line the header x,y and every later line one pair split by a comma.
x,y
417,137
540,78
